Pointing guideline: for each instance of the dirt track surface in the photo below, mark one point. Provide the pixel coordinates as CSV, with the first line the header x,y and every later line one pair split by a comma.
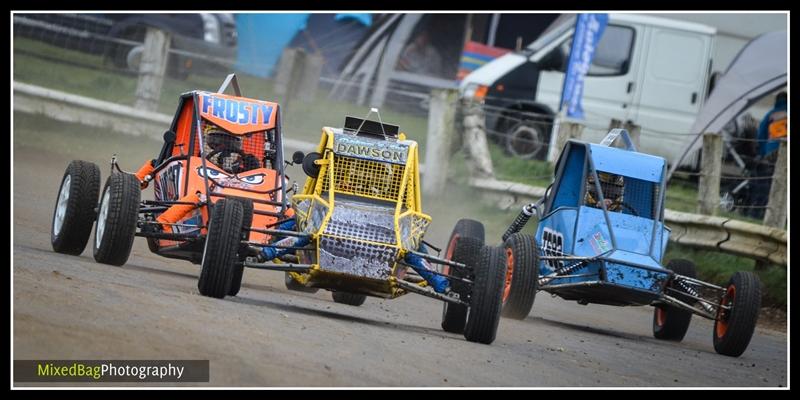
x,y
68,307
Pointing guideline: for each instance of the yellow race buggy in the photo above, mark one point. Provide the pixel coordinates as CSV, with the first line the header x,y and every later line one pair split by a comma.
x,y
358,231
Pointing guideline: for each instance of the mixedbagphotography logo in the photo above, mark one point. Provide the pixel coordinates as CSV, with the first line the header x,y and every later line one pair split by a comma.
x,y
111,370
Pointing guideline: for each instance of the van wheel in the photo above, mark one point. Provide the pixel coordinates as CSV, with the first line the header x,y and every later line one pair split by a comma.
x,y
221,246
734,327
486,297
528,139
74,211
522,275
670,322
454,316
117,214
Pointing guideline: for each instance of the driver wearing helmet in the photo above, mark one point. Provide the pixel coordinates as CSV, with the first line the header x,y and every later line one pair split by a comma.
x,y
613,187
225,150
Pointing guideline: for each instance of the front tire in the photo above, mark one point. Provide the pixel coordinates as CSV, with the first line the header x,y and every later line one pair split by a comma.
x,y
522,275
454,316
486,296
734,328
117,214
247,221
670,322
74,213
221,247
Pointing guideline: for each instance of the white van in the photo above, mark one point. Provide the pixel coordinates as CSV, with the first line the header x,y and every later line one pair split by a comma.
x,y
653,72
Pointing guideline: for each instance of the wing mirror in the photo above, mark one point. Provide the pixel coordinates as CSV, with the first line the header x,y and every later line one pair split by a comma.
x,y
309,167
297,157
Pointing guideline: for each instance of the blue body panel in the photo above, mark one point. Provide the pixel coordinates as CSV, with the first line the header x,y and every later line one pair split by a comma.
x,y
570,185
627,248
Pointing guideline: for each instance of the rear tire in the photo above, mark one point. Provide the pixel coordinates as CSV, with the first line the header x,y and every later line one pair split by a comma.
x,y
222,244
522,263
487,296
670,322
351,299
454,316
118,211
734,329
74,213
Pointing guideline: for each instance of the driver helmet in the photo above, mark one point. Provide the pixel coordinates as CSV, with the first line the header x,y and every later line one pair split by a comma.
x,y
613,187
217,139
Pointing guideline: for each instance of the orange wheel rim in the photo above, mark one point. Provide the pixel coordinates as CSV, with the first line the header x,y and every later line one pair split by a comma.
x,y
509,273
722,314
661,316
451,248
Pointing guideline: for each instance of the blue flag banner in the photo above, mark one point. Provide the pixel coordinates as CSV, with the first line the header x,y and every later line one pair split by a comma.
x,y
588,30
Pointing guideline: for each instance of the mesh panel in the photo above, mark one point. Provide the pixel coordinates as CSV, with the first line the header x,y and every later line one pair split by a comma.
x,y
356,258
362,221
366,178
623,194
412,229
233,153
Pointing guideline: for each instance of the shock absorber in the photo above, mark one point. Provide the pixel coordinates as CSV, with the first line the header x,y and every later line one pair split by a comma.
x,y
690,290
568,269
522,219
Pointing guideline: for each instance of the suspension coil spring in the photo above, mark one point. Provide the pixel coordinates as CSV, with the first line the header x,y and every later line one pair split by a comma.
x,y
690,290
568,269
519,222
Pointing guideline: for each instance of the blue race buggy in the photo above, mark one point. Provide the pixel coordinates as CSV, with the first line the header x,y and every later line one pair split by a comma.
x,y
601,239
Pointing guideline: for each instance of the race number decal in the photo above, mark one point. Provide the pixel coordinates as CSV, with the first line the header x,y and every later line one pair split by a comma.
x,y
552,245
167,185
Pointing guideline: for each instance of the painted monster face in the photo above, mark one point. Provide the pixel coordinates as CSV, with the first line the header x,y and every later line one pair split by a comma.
x,y
245,180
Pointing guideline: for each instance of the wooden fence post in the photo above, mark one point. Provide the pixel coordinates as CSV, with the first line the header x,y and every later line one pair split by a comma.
x,y
711,168
775,215
309,78
479,159
566,130
441,121
151,69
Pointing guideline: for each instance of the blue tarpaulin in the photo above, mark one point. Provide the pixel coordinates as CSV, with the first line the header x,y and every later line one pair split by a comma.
x,y
588,30
262,38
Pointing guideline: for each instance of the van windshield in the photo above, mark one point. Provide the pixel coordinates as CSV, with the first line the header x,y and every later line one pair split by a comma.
x,y
556,29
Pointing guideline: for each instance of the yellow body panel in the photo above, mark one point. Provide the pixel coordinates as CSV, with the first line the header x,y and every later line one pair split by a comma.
x,y
369,179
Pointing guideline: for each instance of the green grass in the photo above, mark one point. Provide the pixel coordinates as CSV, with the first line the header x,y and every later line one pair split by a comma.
x,y
531,172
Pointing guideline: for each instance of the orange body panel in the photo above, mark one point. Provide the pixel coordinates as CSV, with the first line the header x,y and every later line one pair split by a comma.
x,y
184,130
251,184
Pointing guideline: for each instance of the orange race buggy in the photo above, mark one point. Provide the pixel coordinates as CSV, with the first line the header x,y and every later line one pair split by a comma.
x,y
218,184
